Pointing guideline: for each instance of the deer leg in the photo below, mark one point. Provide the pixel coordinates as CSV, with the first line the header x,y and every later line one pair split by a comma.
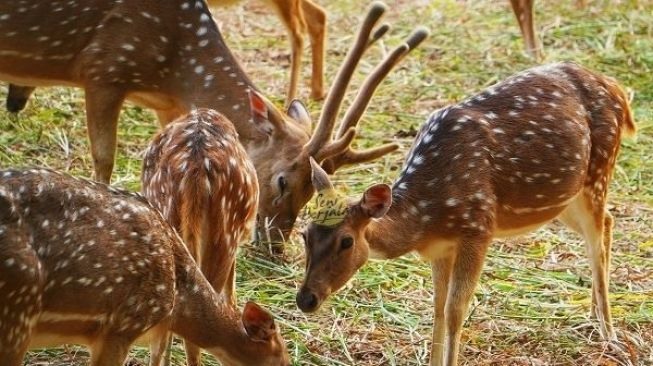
x,y
294,22
17,97
110,352
441,274
102,111
316,24
467,270
523,10
230,284
588,216
193,355
159,343
12,349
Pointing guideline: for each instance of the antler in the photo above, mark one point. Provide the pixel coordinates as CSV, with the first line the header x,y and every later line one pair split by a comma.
x,y
358,107
337,93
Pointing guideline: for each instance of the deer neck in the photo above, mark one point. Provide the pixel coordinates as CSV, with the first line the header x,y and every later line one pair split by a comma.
x,y
394,234
205,318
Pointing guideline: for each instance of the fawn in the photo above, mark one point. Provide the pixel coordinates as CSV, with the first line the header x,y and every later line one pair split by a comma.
x,y
538,146
82,262
169,56
198,175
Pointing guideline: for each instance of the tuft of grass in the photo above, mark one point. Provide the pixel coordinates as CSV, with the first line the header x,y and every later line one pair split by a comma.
x,y
532,306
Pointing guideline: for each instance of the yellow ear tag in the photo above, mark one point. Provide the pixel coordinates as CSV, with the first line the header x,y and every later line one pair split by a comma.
x,y
328,208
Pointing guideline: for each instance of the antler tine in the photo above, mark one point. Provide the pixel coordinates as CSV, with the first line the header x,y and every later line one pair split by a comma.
x,y
378,34
366,92
337,146
350,156
336,94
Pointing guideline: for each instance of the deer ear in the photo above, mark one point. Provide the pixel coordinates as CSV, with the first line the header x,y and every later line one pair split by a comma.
x,y
265,116
376,200
259,324
319,176
297,111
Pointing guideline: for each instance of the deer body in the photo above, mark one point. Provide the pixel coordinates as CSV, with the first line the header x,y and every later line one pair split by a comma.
x,y
169,56
85,263
198,175
540,145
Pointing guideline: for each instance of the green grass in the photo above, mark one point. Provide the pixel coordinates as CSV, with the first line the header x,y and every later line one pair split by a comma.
x,y
532,306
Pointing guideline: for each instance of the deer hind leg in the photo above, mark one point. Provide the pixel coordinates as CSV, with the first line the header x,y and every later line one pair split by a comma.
x,y
17,97
587,215
441,274
523,10
102,111
230,284
316,25
110,352
293,19
12,346
467,269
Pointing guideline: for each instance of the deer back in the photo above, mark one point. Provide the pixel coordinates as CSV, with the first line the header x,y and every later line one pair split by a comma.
x,y
199,176
516,153
86,258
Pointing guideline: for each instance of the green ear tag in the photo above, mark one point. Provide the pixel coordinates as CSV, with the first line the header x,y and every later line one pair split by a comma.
x,y
328,208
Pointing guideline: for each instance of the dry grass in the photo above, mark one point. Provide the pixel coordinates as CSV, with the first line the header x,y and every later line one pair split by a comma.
x,y
532,307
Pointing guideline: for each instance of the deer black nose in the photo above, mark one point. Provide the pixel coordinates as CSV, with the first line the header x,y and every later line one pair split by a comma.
x,y
307,301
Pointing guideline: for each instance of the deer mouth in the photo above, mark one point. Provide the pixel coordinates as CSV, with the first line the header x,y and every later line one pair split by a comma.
x,y
308,301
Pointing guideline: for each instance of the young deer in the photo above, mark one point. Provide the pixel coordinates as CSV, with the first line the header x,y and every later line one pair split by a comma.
x,y
198,175
64,239
170,56
538,146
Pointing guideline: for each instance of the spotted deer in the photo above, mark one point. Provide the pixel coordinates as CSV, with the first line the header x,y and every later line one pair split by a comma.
x,y
85,263
169,56
538,146
299,17
199,176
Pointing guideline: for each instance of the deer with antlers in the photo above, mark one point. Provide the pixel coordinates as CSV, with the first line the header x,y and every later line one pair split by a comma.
x,y
199,176
538,146
111,50
65,239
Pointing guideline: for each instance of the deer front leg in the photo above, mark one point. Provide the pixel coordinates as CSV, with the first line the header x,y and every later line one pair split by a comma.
x,y
467,269
316,24
102,111
441,274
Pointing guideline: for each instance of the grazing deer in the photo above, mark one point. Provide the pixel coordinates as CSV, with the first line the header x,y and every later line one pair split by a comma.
x,y
198,175
538,146
82,262
170,56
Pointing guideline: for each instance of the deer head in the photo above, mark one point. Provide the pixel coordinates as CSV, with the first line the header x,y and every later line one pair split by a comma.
x,y
282,163
335,252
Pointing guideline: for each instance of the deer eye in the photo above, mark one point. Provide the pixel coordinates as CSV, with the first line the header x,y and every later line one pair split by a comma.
x,y
281,181
346,242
